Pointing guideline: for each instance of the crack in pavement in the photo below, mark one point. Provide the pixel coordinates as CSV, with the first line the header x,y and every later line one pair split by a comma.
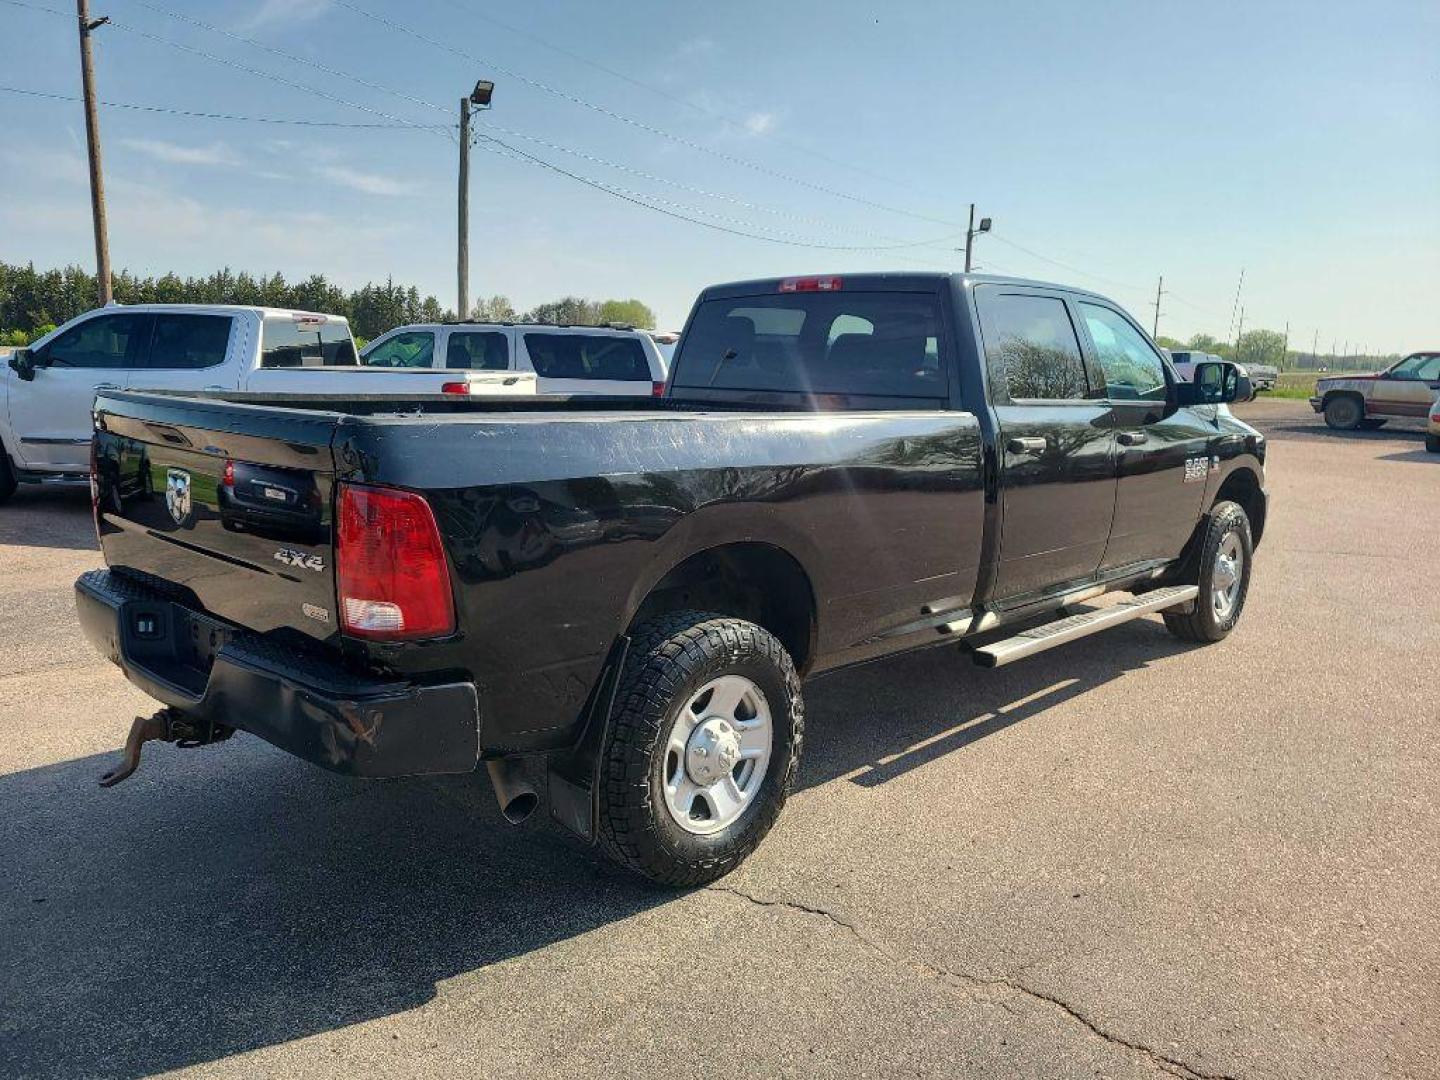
x,y
1173,1066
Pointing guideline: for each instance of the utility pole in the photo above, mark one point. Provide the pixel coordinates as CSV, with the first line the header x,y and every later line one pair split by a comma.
x,y
971,232
1235,306
1239,333
478,99
1159,292
92,138
1285,349
462,258
1315,349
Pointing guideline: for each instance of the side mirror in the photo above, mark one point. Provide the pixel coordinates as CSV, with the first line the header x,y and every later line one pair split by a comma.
x,y
22,362
1215,383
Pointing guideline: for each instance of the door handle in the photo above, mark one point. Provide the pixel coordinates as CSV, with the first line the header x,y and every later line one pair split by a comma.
x,y
1132,438
1027,444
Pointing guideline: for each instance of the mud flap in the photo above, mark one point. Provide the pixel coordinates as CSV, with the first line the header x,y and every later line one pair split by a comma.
x,y
573,776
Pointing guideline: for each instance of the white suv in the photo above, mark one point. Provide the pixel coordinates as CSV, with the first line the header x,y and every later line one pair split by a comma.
x,y
565,359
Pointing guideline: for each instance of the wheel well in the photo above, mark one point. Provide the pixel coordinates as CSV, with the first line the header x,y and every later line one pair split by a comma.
x,y
1331,395
1243,486
752,581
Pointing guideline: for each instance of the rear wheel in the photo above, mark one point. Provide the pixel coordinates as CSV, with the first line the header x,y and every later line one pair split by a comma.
x,y
1343,412
1223,576
7,477
702,747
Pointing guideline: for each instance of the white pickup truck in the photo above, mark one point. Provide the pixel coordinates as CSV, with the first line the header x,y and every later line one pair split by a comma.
x,y
612,360
46,390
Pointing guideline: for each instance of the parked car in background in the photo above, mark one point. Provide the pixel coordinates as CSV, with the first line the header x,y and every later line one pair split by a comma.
x,y
1262,376
617,361
46,390
1407,388
665,341
1186,359
1432,432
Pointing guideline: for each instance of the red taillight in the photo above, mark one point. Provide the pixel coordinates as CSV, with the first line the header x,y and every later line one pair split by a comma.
x,y
455,388
391,573
228,478
810,284
657,389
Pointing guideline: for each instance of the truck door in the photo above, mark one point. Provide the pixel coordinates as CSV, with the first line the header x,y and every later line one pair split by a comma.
x,y
50,414
1162,455
1404,390
1057,472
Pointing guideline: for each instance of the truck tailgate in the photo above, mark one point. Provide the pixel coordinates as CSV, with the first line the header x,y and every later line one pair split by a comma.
x,y
229,502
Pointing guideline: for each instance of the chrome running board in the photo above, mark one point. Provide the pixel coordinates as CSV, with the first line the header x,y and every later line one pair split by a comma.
x,y
1083,625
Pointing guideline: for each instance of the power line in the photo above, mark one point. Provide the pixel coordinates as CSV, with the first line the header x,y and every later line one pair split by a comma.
x,y
639,125
736,125
216,116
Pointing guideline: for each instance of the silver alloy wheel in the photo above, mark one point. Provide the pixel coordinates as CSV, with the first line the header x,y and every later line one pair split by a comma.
x,y
1226,576
717,754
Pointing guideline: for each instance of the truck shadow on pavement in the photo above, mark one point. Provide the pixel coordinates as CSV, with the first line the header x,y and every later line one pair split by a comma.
x,y
231,898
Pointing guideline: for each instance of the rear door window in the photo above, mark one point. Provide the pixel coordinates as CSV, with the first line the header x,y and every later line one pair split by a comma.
x,y
1031,340
188,341
477,350
106,341
412,349
305,341
863,344
587,356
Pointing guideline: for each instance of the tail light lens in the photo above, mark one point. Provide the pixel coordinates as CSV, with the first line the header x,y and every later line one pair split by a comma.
x,y
810,284
657,389
227,479
455,388
392,575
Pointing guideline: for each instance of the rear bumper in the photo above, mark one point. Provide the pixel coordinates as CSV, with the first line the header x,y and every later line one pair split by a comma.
x,y
311,707
1315,404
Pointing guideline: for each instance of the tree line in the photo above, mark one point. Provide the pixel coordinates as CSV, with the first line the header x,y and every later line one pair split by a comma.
x,y
33,302
1268,347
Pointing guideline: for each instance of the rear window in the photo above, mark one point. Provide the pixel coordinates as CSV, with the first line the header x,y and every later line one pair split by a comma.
x,y
871,344
587,356
293,341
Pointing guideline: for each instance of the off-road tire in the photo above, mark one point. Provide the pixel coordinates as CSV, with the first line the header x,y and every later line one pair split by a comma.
x,y
669,659
7,477
1202,624
1343,412
1432,443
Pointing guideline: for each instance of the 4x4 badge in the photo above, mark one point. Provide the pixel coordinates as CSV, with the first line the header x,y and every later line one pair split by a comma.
x,y
291,557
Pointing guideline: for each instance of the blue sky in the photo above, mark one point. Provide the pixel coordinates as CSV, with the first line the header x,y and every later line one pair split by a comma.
x,y
1120,141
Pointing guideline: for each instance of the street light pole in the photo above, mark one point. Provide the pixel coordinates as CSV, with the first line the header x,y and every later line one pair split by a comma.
x,y
971,232
479,99
462,257
92,139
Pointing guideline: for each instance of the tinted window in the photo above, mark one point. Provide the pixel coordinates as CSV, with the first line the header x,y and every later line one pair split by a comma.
x,y
881,344
411,349
297,341
188,341
1132,369
587,356
486,350
106,341
1033,341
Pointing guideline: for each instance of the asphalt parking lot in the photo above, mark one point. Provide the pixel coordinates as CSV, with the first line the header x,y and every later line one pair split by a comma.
x,y
1126,857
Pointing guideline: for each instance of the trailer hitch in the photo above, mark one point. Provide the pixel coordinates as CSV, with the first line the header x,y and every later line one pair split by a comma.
x,y
167,725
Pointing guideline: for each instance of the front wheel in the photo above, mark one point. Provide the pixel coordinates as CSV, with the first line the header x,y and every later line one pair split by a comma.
x,y
1344,412
1224,577
702,747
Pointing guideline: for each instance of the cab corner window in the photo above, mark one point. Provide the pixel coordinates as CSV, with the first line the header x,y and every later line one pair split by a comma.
x,y
1133,370
1033,341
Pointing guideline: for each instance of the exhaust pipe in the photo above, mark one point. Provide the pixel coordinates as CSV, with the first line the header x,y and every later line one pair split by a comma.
x,y
513,791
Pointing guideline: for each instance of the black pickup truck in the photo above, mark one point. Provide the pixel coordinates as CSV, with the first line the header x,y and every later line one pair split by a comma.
x,y
632,590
